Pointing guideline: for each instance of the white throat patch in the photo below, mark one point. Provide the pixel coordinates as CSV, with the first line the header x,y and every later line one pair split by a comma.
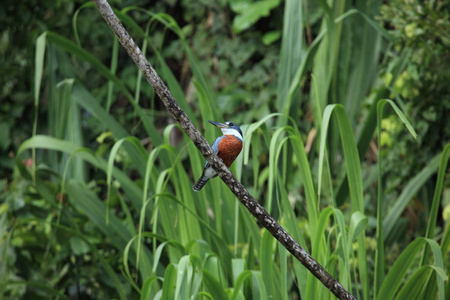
x,y
231,131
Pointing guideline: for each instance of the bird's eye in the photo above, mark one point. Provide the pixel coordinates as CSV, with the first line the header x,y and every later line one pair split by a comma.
x,y
231,124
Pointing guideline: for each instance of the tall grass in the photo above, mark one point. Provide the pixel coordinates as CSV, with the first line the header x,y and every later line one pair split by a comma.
x,y
177,244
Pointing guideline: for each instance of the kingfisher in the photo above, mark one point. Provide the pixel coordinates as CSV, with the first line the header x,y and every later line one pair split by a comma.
x,y
227,147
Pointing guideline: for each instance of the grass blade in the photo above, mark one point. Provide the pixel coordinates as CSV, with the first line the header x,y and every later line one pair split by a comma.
x,y
398,271
214,286
379,255
432,219
291,54
409,191
353,168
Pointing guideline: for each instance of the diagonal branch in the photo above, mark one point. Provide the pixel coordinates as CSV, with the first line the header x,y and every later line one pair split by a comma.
x,y
235,186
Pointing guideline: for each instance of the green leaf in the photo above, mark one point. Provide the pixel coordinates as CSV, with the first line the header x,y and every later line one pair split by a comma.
x,y
39,66
398,271
350,153
112,156
84,55
292,58
239,282
379,256
215,288
78,246
250,12
5,140
238,267
94,209
169,283
409,191
415,283
33,284
271,37
358,223
269,270
432,219
147,287
353,168
181,287
45,142
369,20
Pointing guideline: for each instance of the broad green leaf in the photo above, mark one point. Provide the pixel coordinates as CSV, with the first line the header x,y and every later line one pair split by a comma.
x,y
250,12
397,273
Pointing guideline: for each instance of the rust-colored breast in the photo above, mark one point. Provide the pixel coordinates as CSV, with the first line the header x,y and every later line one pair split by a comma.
x,y
229,147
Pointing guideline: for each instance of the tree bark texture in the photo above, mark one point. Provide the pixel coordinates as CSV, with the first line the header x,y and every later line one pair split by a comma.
x,y
230,180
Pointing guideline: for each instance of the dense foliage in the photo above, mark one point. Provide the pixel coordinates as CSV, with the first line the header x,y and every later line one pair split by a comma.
x,y
95,190
423,40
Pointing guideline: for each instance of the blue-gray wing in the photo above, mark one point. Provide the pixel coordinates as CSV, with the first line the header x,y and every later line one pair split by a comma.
x,y
215,147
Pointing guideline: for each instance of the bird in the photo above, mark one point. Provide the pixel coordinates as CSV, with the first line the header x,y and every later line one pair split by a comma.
x,y
227,147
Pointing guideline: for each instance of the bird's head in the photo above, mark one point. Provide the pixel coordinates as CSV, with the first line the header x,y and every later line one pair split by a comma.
x,y
229,128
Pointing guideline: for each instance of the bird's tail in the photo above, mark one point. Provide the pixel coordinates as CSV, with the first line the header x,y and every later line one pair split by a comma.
x,y
200,184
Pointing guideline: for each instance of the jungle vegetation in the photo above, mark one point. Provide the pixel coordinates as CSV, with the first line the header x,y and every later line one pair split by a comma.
x,y
345,109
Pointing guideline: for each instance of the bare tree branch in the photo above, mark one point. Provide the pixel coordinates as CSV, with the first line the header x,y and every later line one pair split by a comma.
x,y
235,186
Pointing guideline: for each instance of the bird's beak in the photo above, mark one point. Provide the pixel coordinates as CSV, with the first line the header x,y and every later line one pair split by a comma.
x,y
217,124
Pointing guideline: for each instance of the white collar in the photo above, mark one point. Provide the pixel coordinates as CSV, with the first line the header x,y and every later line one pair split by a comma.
x,y
231,131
